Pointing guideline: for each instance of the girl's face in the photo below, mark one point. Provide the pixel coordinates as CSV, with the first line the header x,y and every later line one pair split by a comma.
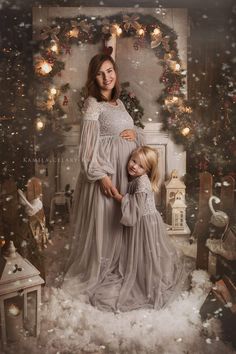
x,y
106,78
135,167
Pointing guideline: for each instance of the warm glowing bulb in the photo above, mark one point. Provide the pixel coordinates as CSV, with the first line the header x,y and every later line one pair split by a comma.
x,y
175,99
185,131
46,68
53,91
156,31
177,67
140,32
13,310
39,124
118,30
74,32
54,48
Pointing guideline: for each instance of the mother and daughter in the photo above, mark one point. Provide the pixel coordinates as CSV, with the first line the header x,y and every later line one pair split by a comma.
x,y
121,257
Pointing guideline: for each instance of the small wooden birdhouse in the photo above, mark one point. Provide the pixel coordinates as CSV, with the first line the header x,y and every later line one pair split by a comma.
x,y
20,296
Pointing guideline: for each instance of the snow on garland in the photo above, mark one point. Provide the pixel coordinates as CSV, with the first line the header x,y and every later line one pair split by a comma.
x,y
146,30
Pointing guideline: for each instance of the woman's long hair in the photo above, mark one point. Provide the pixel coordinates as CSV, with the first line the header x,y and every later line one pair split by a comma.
x,y
149,160
92,88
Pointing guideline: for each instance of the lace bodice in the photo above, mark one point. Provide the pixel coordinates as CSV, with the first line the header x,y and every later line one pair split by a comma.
x,y
112,119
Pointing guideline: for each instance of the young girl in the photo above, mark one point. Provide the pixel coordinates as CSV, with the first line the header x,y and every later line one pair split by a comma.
x,y
151,270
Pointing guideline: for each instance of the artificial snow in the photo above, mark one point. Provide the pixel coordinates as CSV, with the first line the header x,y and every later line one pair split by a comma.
x,y
72,326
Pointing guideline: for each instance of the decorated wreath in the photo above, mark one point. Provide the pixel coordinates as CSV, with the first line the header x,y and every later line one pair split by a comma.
x,y
147,31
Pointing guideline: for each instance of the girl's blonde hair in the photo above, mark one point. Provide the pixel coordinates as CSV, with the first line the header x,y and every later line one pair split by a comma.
x,y
149,160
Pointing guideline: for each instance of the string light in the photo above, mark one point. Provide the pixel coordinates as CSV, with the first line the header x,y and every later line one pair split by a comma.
x,y
40,124
185,131
53,91
117,29
43,67
156,31
141,32
54,47
177,67
74,32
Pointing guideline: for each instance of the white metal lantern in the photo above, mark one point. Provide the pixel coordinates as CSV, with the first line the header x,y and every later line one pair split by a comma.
x,y
20,284
178,212
176,206
174,185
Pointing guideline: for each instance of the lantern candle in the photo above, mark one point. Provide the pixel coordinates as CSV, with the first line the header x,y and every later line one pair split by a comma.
x,y
14,322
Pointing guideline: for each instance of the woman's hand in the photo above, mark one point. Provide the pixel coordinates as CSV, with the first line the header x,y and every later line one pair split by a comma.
x,y
128,134
107,187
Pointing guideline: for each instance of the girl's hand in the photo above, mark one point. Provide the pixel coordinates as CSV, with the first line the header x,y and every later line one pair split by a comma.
x,y
107,187
117,196
128,134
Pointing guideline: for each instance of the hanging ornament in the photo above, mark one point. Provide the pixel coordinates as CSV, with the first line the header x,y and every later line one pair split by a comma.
x,y
165,43
67,48
139,42
156,38
65,101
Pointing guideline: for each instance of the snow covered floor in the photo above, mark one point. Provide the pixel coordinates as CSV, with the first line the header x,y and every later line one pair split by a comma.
x,y
70,326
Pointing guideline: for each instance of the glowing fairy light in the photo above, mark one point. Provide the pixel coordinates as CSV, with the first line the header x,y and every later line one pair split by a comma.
x,y
141,32
118,30
43,67
74,33
156,31
54,47
46,67
13,310
40,124
185,131
177,67
53,91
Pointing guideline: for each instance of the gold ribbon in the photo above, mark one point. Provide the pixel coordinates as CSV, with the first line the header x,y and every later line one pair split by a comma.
x,y
131,21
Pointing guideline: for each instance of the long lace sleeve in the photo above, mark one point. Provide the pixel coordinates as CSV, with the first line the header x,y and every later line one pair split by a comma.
x,y
94,163
131,208
140,137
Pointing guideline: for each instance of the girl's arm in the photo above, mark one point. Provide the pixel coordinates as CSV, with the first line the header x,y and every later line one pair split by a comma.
x,y
117,196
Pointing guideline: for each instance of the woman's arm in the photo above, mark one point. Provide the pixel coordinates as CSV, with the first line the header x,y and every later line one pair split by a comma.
x,y
93,159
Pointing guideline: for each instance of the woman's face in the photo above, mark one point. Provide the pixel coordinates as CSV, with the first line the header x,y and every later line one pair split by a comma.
x,y
106,78
135,167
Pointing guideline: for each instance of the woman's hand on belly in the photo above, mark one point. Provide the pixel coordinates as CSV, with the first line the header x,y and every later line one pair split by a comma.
x,y
128,134
107,187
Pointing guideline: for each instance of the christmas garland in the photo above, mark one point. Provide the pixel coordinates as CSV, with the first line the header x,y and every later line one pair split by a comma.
x,y
146,31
